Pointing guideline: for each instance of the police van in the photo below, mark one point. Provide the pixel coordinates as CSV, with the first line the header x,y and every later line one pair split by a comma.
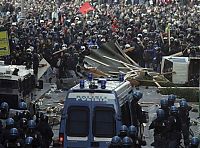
x,y
94,110
16,84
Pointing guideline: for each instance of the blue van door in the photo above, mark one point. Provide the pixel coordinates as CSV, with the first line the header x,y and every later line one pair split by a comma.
x,y
77,126
103,125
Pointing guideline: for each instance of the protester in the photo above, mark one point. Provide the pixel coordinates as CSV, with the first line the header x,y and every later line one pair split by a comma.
x,y
151,31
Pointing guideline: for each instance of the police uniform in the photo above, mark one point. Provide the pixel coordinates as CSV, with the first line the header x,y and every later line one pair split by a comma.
x,y
160,131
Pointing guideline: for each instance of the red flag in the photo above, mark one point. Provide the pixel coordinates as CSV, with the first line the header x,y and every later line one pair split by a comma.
x,y
85,8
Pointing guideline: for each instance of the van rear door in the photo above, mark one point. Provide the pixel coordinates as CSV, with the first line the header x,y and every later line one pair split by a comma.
x,y
77,126
103,126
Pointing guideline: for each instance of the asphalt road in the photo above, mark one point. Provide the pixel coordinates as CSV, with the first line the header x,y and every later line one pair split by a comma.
x,y
52,103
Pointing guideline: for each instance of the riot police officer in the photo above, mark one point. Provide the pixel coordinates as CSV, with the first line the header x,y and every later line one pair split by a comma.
x,y
26,114
4,110
159,125
127,142
132,133
164,106
174,128
116,142
32,132
123,131
23,123
13,141
185,120
39,116
45,131
194,142
137,114
5,133
136,109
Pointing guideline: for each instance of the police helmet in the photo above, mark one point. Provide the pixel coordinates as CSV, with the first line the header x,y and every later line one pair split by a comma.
x,y
13,133
28,140
10,122
132,131
183,104
123,131
137,95
173,109
22,106
182,99
160,113
163,103
127,141
31,124
195,141
171,98
4,106
116,141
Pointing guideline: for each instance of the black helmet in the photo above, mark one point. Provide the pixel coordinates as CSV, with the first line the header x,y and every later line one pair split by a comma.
x,y
31,124
13,133
26,114
4,106
23,123
10,122
127,142
22,106
123,131
28,141
116,141
132,131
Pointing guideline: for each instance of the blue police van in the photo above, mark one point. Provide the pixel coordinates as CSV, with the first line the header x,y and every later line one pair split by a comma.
x,y
94,111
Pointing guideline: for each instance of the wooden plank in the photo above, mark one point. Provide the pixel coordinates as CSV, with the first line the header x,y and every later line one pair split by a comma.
x,y
179,87
158,85
118,61
97,61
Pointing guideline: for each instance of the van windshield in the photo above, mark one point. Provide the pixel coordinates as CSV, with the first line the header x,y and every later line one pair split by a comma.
x,y
78,121
104,122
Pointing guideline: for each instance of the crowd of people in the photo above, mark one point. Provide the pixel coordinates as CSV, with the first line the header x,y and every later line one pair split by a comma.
x,y
145,32
24,130
171,125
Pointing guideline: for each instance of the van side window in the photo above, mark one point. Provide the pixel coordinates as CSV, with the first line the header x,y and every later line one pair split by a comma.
x,y
125,114
78,121
104,122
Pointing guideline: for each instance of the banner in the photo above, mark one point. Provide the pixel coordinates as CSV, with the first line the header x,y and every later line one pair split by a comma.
x,y
85,8
4,44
